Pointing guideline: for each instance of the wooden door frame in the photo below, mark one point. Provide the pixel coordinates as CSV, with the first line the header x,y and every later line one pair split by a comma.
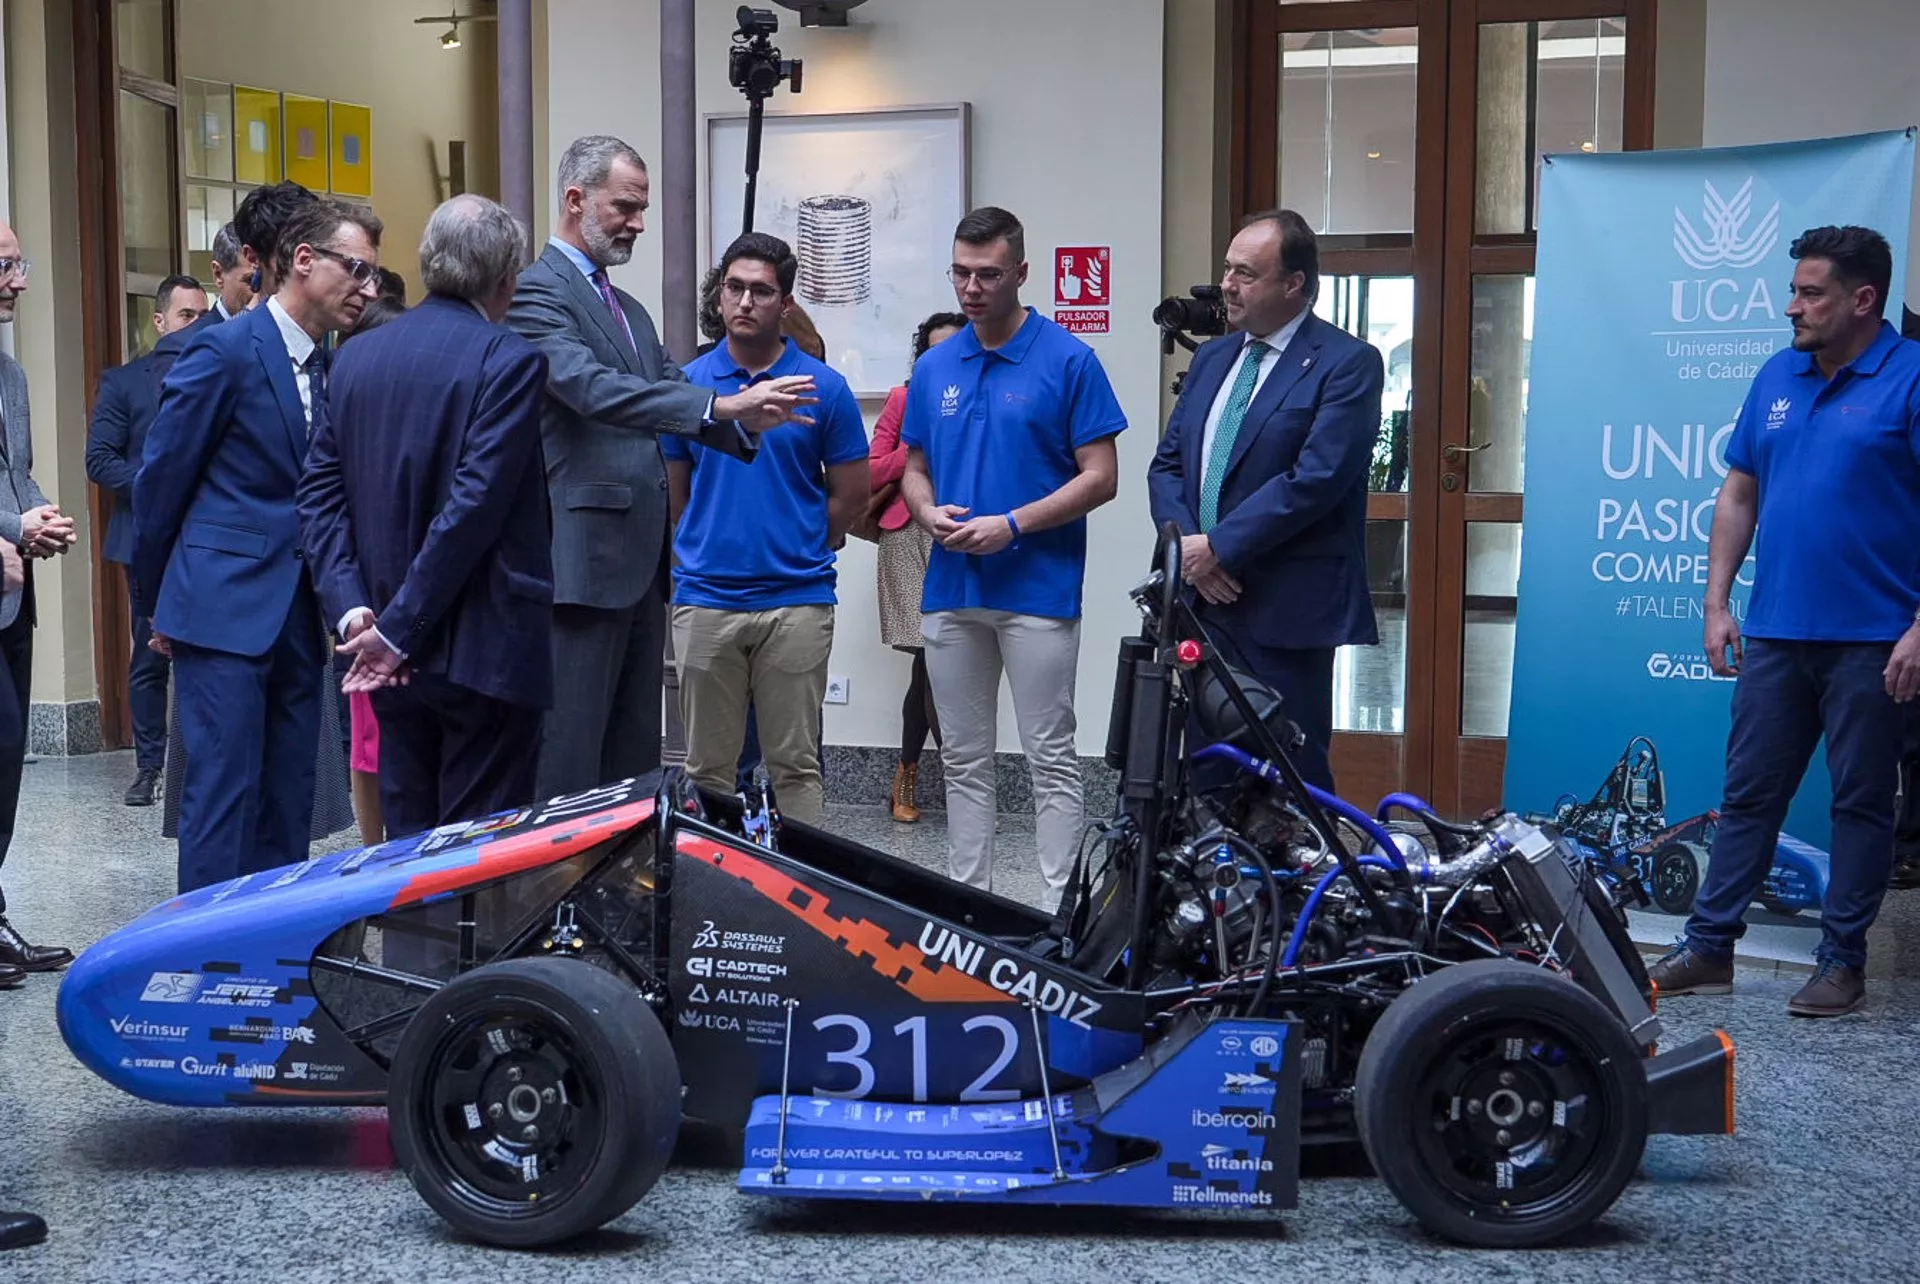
x,y
1432,758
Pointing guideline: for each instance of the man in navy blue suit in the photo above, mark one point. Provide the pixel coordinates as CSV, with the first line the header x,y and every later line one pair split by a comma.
x,y
127,400
1264,469
424,516
216,548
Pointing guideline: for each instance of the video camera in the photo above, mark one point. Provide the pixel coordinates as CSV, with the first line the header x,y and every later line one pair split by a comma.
x,y
1204,313
754,65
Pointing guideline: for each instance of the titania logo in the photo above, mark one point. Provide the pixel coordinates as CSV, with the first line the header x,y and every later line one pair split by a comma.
x,y
1777,414
1723,239
950,400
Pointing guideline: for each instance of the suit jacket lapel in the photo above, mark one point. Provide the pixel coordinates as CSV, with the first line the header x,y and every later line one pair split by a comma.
x,y
586,299
1301,354
272,351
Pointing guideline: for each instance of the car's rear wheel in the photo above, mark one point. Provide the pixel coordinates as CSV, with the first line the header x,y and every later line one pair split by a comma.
x,y
1502,1104
534,1100
1676,878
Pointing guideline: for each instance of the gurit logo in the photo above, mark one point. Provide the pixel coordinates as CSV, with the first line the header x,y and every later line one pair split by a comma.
x,y
1723,240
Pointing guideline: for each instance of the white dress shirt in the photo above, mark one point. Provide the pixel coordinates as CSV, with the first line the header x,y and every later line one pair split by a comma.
x,y
300,346
1278,341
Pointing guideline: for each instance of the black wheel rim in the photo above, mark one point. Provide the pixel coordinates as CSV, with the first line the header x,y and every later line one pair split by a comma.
x,y
1515,1118
513,1113
1674,879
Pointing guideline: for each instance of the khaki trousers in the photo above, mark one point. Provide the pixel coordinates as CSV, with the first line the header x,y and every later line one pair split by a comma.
x,y
777,661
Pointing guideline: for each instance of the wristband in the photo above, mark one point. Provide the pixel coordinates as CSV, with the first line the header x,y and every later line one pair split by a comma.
x,y
1013,526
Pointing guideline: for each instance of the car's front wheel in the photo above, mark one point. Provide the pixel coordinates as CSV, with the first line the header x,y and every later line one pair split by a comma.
x,y
1502,1104
533,1100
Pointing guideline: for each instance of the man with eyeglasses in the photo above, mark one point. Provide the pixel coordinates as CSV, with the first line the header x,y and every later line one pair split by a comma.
x,y
613,394
31,526
753,588
217,547
123,409
1010,429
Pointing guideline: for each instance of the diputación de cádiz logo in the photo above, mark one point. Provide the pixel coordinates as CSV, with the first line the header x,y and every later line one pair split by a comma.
x,y
1723,239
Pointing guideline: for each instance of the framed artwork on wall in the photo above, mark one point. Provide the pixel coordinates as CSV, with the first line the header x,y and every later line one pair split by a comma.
x,y
256,135
868,201
305,140
352,150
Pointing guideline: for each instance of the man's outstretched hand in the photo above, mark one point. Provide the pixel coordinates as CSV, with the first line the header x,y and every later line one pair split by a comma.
x,y
768,404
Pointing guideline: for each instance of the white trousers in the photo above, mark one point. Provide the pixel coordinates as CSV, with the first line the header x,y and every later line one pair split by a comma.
x,y
966,653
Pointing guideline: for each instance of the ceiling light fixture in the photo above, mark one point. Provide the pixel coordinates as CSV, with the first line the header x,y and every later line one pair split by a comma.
x,y
453,20
452,39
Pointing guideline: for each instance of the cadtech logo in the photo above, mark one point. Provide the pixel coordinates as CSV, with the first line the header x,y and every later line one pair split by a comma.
x,y
1722,239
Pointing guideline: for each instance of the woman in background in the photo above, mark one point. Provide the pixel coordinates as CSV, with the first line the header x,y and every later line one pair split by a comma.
x,y
904,547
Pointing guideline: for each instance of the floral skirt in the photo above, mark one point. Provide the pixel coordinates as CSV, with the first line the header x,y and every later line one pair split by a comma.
x,y
903,574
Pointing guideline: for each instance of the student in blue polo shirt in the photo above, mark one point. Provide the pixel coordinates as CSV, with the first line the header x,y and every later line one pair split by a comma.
x,y
753,588
1825,459
1009,427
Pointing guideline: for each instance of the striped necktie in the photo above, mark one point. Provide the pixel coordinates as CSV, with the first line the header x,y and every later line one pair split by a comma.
x,y
1231,417
604,284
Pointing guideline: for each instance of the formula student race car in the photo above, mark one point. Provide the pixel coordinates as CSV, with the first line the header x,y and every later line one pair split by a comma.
x,y
1623,833
540,997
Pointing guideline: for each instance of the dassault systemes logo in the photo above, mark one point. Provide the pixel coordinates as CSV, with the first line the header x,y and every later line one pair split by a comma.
x,y
1723,240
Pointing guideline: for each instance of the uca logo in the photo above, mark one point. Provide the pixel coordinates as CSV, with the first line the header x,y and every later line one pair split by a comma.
x,y
1722,239
1777,413
950,400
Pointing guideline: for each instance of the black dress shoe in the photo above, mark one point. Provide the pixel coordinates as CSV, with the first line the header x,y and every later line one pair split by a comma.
x,y
21,1230
11,977
15,951
140,792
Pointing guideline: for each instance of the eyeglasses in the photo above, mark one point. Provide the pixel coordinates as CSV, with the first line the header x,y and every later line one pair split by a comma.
x,y
8,267
987,277
758,292
362,272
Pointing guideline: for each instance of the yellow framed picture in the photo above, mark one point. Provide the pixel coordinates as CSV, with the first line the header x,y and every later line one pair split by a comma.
x,y
305,141
256,135
352,149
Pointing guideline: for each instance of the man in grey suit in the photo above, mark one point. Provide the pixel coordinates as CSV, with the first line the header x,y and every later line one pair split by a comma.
x,y
34,525
611,391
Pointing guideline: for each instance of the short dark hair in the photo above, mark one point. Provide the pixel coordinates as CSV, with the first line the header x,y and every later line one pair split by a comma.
x,y
226,249
382,309
318,224
163,297
393,287
1859,255
766,249
264,212
990,223
923,333
1299,247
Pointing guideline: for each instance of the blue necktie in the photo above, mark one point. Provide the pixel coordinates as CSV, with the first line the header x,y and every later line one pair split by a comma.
x,y
316,389
1231,417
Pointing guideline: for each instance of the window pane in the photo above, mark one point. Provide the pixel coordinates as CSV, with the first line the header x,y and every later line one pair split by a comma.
x,y
208,210
1379,309
209,130
141,336
1347,108
1497,382
146,185
1543,87
1370,682
140,26
1493,587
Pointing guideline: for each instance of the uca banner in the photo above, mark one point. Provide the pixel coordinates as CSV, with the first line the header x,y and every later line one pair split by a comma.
x,y
1662,287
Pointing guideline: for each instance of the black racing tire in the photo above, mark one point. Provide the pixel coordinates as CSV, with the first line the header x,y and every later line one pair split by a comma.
x,y
533,1100
1676,879
1573,1102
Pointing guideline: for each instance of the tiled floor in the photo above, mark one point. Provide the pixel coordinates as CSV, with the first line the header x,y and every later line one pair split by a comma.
x,y
1818,1185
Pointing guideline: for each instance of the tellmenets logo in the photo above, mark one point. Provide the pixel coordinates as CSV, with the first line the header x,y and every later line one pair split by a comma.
x,y
1723,241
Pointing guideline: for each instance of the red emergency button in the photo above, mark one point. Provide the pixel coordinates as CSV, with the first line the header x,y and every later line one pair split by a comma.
x,y
1188,652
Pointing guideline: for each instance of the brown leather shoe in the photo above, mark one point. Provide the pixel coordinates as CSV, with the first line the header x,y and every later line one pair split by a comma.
x,y
906,777
15,952
1683,971
1834,990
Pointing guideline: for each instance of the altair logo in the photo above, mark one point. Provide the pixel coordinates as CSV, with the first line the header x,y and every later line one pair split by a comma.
x,y
1722,240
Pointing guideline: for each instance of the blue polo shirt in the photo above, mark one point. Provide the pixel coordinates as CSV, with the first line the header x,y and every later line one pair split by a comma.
x,y
999,429
754,535
1837,556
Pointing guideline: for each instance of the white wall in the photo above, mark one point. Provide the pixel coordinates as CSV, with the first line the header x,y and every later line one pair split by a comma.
x,y
1779,70
1066,120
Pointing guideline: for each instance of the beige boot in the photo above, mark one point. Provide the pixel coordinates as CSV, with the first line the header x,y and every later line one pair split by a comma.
x,y
905,777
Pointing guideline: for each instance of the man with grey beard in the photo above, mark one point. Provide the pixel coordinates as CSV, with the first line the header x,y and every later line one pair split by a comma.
x,y
611,391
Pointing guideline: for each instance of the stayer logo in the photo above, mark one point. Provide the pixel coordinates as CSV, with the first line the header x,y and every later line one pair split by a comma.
x,y
1777,414
1723,240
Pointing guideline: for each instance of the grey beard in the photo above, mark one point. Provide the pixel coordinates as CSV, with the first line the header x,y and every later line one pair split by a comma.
x,y
605,250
